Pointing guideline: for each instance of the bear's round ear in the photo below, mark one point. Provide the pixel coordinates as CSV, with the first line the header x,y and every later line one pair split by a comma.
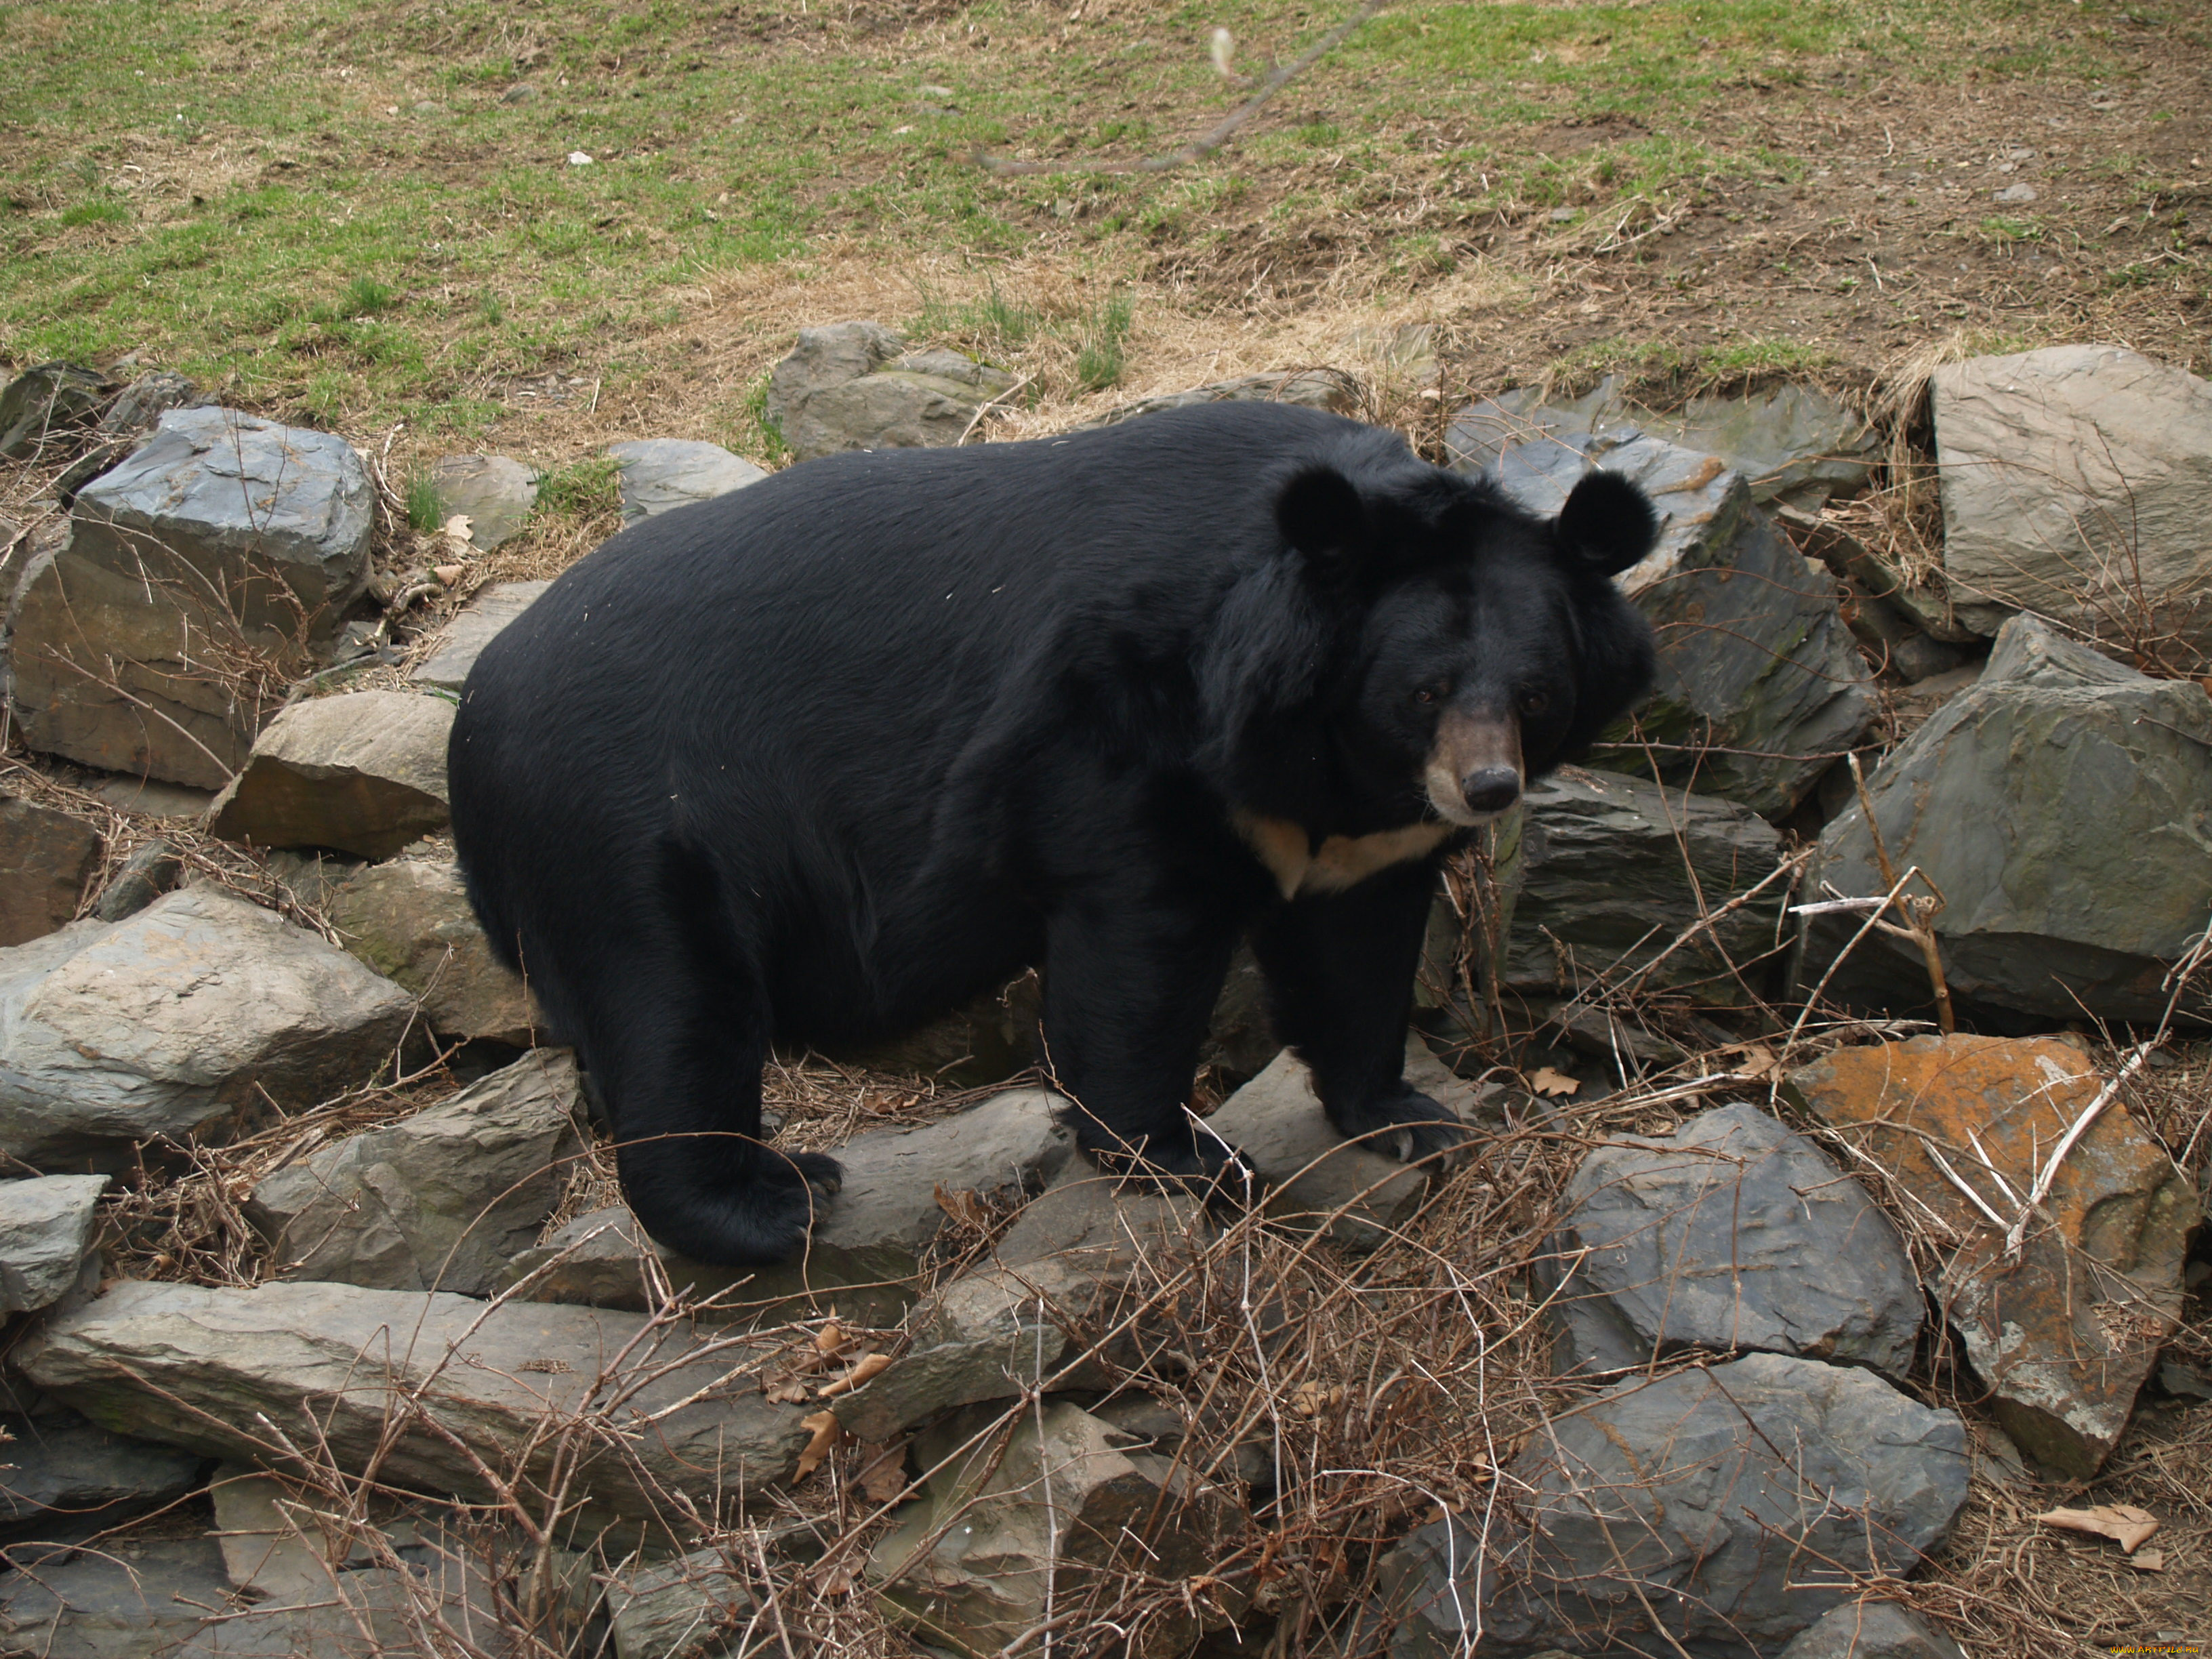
x,y
1320,513
1607,526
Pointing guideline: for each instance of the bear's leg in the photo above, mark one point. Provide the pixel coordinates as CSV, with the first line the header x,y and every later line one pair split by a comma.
x,y
1129,987
1339,970
677,1046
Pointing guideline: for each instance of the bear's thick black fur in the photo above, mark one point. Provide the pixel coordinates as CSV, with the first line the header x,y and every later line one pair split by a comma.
x,y
822,758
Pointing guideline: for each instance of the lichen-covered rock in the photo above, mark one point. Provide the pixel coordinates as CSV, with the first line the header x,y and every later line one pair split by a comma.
x,y
435,1388
856,386
2062,806
2077,483
439,1201
1731,1233
412,923
182,1023
2063,1337
1760,685
1717,1511
1001,1537
363,773
45,859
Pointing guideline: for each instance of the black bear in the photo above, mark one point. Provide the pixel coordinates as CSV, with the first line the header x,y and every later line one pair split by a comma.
x,y
815,761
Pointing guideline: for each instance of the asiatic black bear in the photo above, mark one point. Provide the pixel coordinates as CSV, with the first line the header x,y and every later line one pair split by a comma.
x,y
823,757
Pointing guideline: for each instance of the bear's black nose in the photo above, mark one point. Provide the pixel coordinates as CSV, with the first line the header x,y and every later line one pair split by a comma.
x,y
1492,789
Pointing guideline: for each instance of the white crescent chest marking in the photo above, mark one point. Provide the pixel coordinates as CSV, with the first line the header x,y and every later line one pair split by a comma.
x,y
1340,861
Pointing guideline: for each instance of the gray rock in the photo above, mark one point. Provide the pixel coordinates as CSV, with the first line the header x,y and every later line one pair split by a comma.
x,y
363,772
47,402
45,859
1919,597
1892,639
154,799
1731,1233
59,1475
1735,1504
1331,389
1069,1272
867,1250
660,473
279,515
856,386
1610,870
152,869
2060,806
999,1539
1870,1630
1791,442
140,405
696,1607
199,577
495,492
183,1022
46,1239
432,1386
474,627
1313,1177
130,1601
412,923
1760,686
2076,482
440,1200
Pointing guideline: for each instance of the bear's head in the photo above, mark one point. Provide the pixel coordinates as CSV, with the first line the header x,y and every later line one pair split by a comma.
x,y
1429,647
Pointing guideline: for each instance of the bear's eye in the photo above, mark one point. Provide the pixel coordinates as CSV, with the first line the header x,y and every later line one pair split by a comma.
x,y
1430,694
1534,702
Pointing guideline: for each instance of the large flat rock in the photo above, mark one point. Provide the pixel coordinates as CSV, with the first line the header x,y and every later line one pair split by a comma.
x,y
363,772
1760,686
45,1238
867,1250
1732,1506
441,1200
182,1022
494,492
2076,482
856,386
434,1388
2063,1337
474,627
59,1473
660,473
1731,1233
2059,803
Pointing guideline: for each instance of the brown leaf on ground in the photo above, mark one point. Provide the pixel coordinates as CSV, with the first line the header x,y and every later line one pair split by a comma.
x,y
867,1366
823,1426
1547,1082
2123,1523
963,1207
883,1469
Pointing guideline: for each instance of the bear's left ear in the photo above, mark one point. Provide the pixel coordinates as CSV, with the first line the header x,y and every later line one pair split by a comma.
x,y
1607,526
1320,514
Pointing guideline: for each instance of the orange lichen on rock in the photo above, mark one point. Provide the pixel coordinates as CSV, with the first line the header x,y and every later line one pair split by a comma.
x,y
2065,1336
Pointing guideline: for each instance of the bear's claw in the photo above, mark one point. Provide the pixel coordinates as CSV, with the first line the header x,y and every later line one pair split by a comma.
x,y
1410,1126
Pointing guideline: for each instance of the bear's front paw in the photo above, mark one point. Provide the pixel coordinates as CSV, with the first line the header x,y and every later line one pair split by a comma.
x,y
819,1171
1408,1126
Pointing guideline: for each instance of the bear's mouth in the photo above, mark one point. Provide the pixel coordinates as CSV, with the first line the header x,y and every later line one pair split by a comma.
x,y
1474,772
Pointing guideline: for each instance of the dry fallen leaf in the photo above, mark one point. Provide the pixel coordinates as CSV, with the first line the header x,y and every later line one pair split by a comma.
x,y
963,1207
883,1469
1547,1082
449,574
460,527
2123,1523
787,1394
824,1427
867,1366
2147,1560
831,1339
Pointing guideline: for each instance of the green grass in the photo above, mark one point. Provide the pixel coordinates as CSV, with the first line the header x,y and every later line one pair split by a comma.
x,y
581,489
1100,361
251,191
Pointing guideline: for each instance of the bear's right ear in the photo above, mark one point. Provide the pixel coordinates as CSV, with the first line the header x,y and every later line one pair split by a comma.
x,y
1320,514
1608,525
